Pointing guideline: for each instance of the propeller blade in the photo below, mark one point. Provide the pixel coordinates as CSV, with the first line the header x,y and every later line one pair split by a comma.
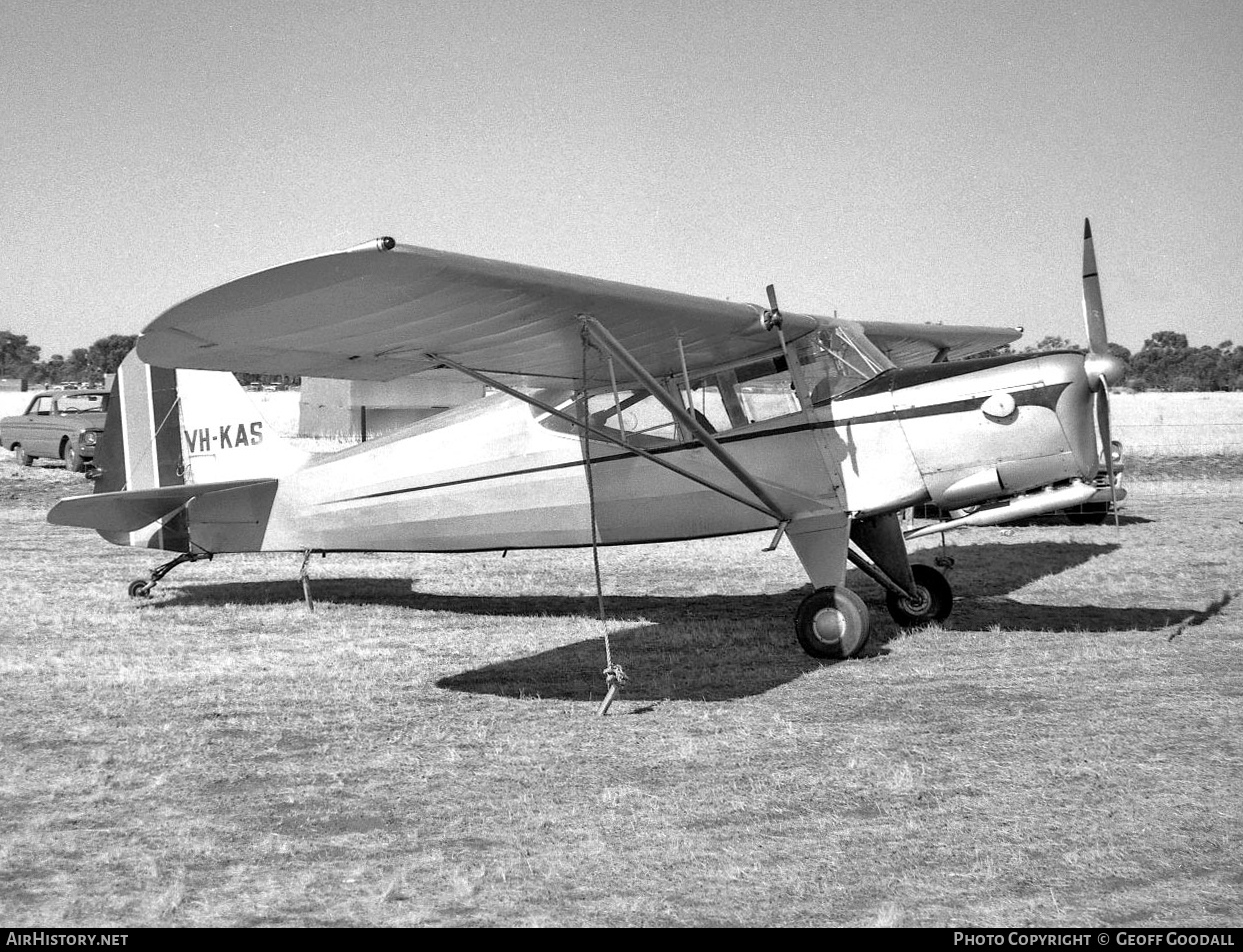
x,y
1103,428
1102,367
772,317
1093,308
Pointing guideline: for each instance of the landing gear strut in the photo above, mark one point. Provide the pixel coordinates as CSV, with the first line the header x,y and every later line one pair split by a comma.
x,y
832,623
142,587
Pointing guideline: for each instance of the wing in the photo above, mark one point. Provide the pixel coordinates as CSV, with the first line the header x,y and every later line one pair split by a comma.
x,y
910,344
384,311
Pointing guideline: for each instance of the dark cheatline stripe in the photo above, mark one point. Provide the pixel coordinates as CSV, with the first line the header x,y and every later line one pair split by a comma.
x,y
1044,396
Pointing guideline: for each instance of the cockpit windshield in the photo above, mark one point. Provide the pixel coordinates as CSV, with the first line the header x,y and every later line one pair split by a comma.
x,y
838,359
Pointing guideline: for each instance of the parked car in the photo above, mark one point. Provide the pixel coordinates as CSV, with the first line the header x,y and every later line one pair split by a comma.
x,y
58,424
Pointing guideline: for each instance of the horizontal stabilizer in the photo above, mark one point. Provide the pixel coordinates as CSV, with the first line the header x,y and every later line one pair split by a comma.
x,y
130,511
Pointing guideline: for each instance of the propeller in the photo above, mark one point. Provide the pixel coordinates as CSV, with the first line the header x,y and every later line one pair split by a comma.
x,y
772,317
1101,367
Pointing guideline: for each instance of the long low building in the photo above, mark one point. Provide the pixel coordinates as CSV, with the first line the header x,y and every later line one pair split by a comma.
x,y
1178,424
350,410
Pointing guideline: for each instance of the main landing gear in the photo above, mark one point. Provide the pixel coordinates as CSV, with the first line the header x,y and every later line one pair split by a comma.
x,y
142,587
833,622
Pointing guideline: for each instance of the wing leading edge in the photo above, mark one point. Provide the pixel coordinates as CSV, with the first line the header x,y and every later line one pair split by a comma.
x,y
384,311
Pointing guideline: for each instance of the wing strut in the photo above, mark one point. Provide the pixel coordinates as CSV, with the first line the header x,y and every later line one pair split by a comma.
x,y
611,346
599,434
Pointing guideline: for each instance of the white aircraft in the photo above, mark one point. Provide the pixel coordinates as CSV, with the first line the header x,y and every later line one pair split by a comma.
x,y
621,415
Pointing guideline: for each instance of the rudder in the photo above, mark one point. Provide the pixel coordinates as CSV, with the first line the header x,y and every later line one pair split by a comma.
x,y
169,427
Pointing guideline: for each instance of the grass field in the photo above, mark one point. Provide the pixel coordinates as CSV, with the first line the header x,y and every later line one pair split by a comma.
x,y
423,747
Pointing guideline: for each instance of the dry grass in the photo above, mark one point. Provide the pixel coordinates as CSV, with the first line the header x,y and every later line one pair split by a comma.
x,y
422,749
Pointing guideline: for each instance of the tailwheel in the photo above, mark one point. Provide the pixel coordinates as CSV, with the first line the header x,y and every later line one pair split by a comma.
x,y
143,587
933,601
832,623
139,588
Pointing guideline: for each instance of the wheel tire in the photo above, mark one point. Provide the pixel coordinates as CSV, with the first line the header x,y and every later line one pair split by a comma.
x,y
832,623
140,588
73,462
936,599
22,456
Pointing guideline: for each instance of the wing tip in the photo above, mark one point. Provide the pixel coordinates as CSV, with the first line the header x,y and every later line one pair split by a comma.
x,y
383,243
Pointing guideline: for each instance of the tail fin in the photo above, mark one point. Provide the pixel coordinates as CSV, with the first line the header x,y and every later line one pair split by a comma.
x,y
180,427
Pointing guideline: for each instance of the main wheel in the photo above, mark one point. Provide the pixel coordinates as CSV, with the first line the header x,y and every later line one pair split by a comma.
x,y
832,623
933,601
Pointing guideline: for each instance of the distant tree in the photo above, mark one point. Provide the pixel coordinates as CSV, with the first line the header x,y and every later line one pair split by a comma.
x,y
78,365
1184,383
1166,341
1168,362
1052,342
50,371
17,355
1005,350
106,354
1124,355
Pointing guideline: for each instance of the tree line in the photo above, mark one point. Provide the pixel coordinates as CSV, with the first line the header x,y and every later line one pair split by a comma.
x,y
20,359
1165,362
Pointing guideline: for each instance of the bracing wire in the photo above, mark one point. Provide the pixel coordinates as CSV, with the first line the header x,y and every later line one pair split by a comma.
x,y
614,676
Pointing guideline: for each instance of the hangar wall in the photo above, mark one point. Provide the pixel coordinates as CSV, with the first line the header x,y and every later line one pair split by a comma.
x,y
351,410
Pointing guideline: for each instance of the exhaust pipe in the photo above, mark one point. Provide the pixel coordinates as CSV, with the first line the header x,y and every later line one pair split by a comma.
x,y
1021,507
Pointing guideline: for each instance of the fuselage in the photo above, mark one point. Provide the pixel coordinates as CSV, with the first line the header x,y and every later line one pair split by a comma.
x,y
494,475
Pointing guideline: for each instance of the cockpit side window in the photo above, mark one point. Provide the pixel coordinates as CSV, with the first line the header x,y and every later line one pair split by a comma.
x,y
633,415
830,362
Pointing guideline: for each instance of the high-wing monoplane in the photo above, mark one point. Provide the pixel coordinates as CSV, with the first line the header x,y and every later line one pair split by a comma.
x,y
618,414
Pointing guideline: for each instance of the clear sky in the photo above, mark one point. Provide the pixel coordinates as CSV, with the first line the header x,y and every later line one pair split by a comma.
x,y
888,160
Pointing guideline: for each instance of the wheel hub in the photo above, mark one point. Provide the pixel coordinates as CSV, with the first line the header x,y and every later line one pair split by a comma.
x,y
829,625
920,603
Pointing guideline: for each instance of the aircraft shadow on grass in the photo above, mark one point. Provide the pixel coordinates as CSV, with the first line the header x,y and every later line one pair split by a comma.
x,y
715,647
